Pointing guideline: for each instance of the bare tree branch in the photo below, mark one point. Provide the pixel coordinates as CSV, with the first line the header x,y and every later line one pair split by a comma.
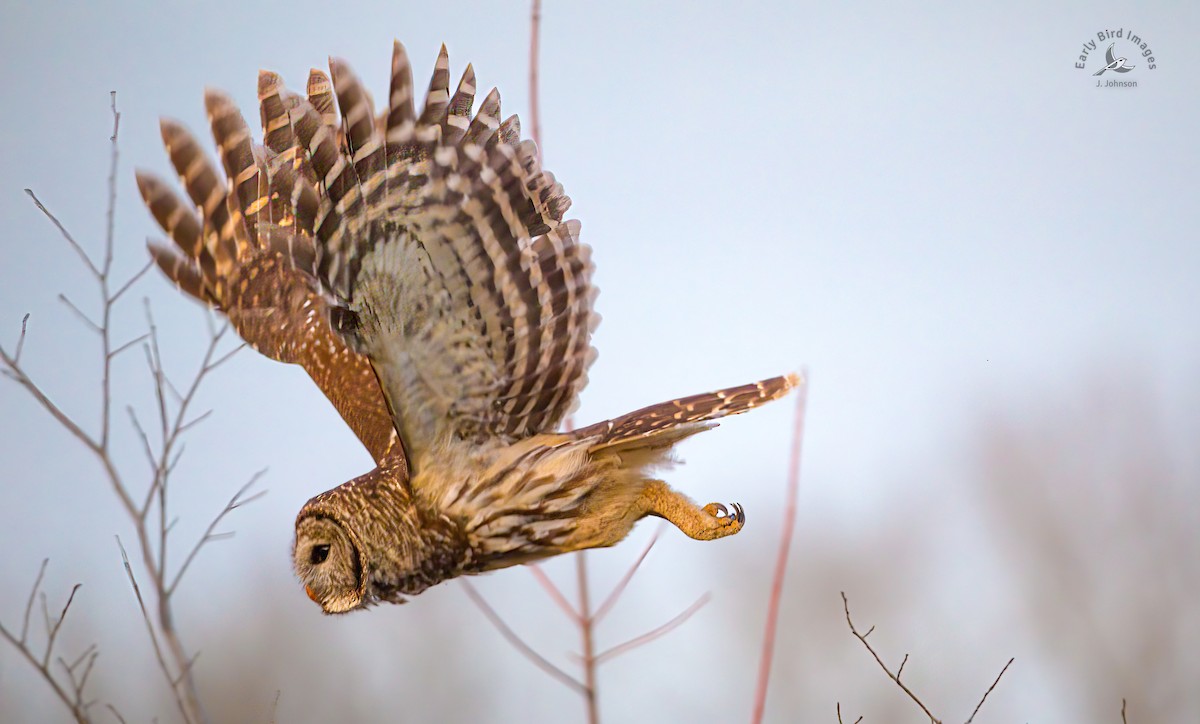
x,y
235,502
896,676
57,624
839,714
653,634
143,437
128,345
70,693
132,280
535,27
112,185
619,589
196,421
87,322
555,594
886,670
586,634
518,643
993,686
37,585
65,234
21,339
148,514
158,652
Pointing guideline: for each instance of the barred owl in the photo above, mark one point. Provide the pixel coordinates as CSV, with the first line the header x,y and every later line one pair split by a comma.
x,y
418,266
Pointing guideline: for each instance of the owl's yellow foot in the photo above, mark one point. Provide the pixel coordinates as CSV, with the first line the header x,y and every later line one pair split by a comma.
x,y
711,522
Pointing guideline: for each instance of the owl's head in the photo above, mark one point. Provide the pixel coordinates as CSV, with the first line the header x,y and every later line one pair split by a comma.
x,y
329,562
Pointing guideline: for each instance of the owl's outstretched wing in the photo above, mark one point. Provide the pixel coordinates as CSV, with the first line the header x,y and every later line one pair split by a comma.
x,y
666,423
264,283
443,243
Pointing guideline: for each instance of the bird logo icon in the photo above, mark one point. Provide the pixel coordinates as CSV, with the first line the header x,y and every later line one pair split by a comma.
x,y
1114,63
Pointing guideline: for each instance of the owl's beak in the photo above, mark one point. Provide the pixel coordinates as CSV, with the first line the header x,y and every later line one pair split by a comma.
x,y
311,594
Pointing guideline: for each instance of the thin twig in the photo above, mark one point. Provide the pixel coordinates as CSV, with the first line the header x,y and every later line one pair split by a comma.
x,y
785,544
619,589
555,594
73,699
131,281
37,585
53,633
65,234
127,345
198,419
649,636
21,339
839,714
886,670
158,652
113,710
80,315
88,660
518,643
112,185
23,379
145,439
1123,719
993,686
535,27
235,502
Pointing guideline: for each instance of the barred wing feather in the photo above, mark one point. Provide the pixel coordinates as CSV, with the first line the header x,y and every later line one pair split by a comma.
x,y
445,244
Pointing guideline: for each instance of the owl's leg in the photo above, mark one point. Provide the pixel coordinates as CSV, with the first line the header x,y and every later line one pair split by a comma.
x,y
700,523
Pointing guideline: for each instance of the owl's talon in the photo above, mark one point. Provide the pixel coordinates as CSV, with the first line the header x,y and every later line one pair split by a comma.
x,y
724,517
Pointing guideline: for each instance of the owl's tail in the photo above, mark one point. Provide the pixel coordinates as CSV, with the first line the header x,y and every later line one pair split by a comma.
x,y
661,426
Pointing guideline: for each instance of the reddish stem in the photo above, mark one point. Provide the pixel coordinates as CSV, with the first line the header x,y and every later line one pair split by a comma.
x,y
785,543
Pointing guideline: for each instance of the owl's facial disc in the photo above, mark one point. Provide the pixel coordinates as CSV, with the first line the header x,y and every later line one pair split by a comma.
x,y
328,563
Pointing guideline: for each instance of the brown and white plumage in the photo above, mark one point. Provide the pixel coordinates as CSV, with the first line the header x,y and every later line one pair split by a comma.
x,y
420,267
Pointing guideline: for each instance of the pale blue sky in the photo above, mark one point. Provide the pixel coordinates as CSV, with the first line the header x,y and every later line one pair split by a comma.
x,y
925,205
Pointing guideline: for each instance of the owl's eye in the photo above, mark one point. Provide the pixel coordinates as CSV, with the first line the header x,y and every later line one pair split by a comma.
x,y
318,554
